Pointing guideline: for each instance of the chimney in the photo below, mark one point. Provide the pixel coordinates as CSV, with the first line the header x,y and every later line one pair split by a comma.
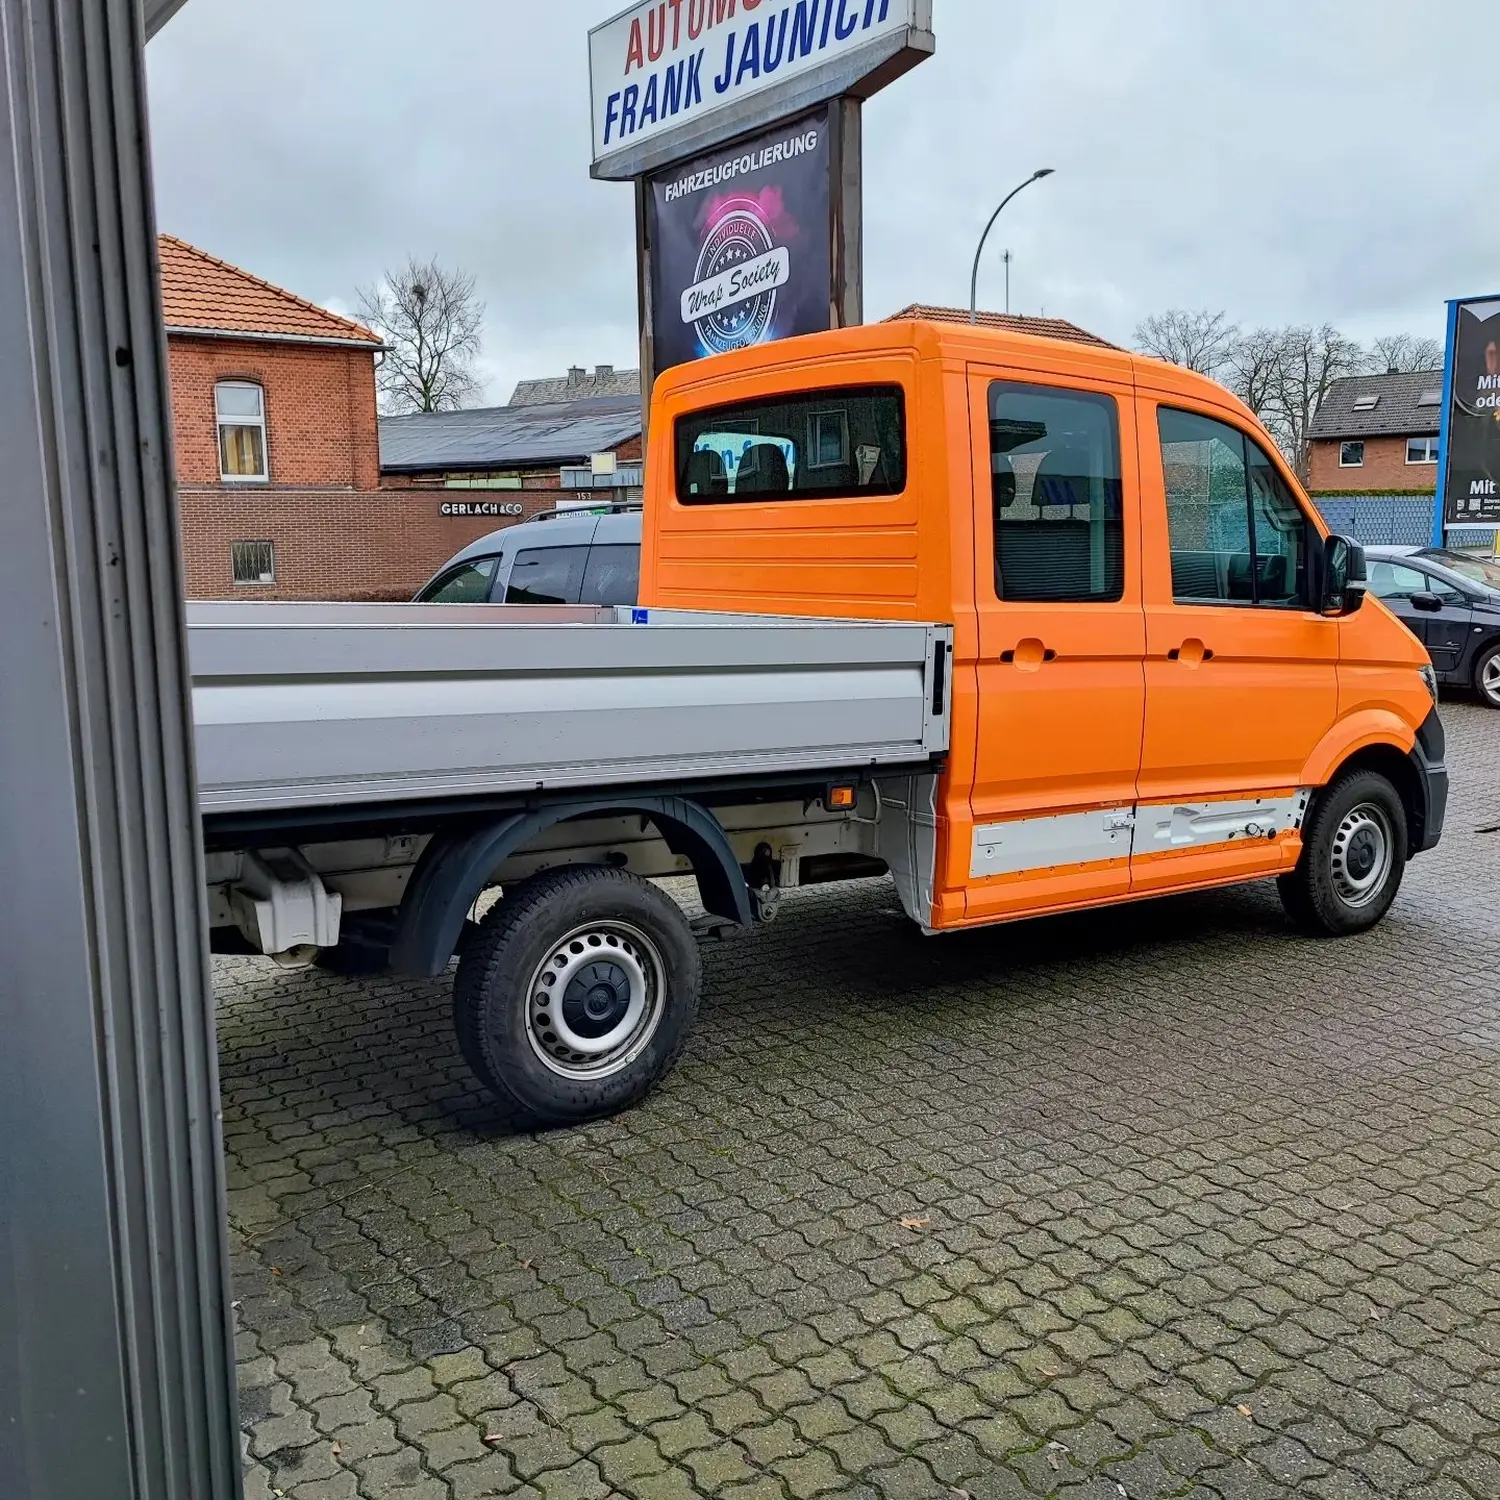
x,y
576,374
603,372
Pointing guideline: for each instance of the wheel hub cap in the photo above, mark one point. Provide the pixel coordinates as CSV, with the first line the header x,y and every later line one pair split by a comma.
x,y
1363,851
596,1000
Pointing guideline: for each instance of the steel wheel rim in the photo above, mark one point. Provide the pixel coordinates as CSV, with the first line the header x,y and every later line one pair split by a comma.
x,y
596,1000
1363,852
1489,679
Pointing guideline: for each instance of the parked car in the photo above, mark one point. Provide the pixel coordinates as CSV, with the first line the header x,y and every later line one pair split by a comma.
x,y
1451,602
567,557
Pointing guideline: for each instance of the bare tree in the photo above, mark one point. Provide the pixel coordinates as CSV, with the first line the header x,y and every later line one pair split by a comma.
x,y
430,317
1403,354
1199,340
1309,361
1252,368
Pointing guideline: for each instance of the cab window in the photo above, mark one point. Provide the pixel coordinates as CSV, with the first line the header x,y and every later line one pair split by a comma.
x,y
468,583
814,445
546,575
1238,535
1055,494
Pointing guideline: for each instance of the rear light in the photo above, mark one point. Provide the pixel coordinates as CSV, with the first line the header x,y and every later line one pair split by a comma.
x,y
840,798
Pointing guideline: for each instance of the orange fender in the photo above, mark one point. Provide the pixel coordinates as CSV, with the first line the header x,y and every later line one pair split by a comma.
x,y
1360,730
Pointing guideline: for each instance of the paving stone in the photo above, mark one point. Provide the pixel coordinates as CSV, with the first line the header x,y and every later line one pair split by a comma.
x,y
1176,1161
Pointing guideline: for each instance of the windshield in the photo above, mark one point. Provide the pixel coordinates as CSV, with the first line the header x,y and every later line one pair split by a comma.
x,y
1483,570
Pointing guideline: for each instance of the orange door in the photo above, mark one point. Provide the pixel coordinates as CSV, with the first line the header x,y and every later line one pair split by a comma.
x,y
1061,637
1241,672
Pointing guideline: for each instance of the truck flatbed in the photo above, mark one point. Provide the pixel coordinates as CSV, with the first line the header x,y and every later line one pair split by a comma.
x,y
309,706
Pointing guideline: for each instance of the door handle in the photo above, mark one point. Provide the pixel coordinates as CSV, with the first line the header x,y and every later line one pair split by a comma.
x,y
1028,655
1191,652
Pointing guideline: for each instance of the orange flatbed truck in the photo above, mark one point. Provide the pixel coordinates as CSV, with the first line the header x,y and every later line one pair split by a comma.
x,y
1146,668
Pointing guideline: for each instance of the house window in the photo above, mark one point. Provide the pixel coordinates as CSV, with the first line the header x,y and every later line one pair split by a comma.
x,y
1366,403
1422,450
827,439
1351,455
252,562
241,409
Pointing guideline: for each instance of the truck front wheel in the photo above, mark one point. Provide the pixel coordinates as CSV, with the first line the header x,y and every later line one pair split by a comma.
x,y
1354,851
576,994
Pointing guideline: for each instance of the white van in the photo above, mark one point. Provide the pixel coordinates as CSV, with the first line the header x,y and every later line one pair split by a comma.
x,y
567,557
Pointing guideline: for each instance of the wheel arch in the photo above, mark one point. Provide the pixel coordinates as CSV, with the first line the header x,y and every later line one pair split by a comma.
x,y
1368,729
1381,741
459,863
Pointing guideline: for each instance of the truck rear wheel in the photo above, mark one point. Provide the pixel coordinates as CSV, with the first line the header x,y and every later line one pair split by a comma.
x,y
576,994
1354,851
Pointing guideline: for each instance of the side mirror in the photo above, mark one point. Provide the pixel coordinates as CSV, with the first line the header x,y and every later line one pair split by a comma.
x,y
1343,577
1429,604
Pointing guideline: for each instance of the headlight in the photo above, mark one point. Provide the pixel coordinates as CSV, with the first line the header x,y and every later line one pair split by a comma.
x,y
1429,678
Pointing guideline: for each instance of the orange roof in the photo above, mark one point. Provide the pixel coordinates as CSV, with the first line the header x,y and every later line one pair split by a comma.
x,y
203,293
1047,328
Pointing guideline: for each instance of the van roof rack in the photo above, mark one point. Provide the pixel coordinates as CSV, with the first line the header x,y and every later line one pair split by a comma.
x,y
604,508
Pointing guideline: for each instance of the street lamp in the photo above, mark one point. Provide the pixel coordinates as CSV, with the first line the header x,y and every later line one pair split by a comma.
x,y
974,279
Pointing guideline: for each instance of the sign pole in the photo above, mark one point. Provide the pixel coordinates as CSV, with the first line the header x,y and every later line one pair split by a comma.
x,y
846,203
1440,497
644,301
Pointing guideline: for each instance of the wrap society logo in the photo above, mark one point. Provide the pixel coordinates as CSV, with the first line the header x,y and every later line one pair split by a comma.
x,y
740,269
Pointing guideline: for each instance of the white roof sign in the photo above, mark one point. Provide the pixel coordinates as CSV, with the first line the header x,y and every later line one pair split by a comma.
x,y
670,78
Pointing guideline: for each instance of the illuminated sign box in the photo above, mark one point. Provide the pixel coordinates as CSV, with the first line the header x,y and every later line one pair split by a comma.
x,y
672,78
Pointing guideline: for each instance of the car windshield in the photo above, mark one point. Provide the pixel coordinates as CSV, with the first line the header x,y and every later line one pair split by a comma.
x,y
1483,570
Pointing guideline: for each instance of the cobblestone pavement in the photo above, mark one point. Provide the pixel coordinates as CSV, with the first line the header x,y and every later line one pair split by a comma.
x,y
1162,1202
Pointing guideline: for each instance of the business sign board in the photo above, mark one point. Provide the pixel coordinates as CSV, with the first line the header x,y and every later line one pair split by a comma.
x,y
742,244
672,78
1470,442
481,508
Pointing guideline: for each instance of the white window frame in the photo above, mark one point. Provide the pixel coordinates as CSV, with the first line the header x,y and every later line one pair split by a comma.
x,y
815,422
1357,463
221,422
1432,450
253,583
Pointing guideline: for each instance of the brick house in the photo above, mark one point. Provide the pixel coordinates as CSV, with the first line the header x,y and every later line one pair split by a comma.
x,y
1375,433
280,494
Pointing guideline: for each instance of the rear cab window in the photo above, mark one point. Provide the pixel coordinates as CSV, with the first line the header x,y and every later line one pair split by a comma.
x,y
1056,495
836,443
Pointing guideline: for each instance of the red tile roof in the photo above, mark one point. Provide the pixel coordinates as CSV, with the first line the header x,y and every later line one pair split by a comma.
x,y
201,292
1047,328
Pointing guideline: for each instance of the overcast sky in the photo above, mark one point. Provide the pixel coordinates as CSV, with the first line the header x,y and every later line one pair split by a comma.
x,y
1307,161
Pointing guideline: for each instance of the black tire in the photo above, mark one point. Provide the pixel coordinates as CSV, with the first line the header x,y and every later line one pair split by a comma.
x,y
364,945
1354,852
625,976
1487,677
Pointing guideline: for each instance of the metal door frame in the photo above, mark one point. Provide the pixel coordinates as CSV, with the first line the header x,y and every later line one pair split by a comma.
x,y
116,1375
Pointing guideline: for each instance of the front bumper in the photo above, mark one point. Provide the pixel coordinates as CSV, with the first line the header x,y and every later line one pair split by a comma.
x,y
1432,783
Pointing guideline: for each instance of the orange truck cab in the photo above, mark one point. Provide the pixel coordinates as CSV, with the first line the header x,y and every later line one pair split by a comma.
x,y
1166,675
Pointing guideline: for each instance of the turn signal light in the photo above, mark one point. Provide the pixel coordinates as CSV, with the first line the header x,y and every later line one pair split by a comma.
x,y
839,798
